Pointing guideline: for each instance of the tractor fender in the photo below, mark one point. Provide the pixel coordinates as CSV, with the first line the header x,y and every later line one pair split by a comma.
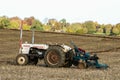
x,y
65,48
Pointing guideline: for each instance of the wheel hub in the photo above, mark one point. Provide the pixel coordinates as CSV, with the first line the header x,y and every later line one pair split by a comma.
x,y
21,60
53,58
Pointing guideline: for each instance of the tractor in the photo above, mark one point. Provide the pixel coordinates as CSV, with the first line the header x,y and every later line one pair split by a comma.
x,y
56,55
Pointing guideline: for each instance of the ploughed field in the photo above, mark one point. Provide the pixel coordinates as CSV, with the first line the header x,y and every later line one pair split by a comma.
x,y
107,49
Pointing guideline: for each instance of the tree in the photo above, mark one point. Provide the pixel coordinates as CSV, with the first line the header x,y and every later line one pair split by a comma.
x,y
26,27
90,25
63,23
76,28
14,24
54,24
29,21
115,30
46,28
108,29
37,25
118,26
4,22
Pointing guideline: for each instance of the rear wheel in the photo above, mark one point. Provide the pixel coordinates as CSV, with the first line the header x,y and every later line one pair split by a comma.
x,y
22,59
54,57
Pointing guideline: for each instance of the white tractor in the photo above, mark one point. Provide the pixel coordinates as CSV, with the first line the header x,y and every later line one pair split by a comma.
x,y
53,55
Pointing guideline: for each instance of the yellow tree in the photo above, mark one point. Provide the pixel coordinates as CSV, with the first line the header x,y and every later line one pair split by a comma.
x,y
76,28
116,29
4,22
55,25
91,26
108,29
15,23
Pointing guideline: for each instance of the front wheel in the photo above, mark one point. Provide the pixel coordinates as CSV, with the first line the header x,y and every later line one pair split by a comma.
x,y
22,59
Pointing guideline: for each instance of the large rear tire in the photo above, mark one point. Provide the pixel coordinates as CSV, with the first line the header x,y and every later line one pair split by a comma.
x,y
54,57
22,59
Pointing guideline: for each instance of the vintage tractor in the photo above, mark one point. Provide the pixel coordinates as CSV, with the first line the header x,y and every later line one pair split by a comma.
x,y
56,55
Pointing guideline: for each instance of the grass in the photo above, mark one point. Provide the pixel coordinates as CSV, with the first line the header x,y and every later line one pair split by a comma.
x,y
9,45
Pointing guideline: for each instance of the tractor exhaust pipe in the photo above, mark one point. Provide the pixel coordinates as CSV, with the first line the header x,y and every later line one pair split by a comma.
x,y
33,36
21,41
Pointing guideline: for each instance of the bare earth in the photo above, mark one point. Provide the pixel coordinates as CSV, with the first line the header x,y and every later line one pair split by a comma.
x,y
9,46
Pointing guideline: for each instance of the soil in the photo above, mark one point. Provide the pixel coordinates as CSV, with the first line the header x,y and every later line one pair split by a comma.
x,y
107,50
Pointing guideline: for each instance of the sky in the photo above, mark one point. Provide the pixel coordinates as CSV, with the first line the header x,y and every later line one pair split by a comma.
x,y
102,11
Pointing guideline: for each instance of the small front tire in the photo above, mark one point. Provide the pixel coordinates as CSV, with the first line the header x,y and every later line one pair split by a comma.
x,y
22,59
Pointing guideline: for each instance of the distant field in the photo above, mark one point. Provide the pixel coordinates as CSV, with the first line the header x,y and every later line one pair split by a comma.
x,y
108,51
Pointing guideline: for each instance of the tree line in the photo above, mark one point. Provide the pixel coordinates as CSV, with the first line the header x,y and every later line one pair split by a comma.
x,y
87,27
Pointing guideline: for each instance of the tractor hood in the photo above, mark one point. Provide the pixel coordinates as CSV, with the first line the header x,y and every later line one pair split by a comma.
x,y
26,47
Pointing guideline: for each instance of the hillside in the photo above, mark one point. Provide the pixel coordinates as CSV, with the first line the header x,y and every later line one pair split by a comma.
x,y
108,51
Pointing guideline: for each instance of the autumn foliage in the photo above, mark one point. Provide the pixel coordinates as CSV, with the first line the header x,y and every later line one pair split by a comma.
x,y
87,27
